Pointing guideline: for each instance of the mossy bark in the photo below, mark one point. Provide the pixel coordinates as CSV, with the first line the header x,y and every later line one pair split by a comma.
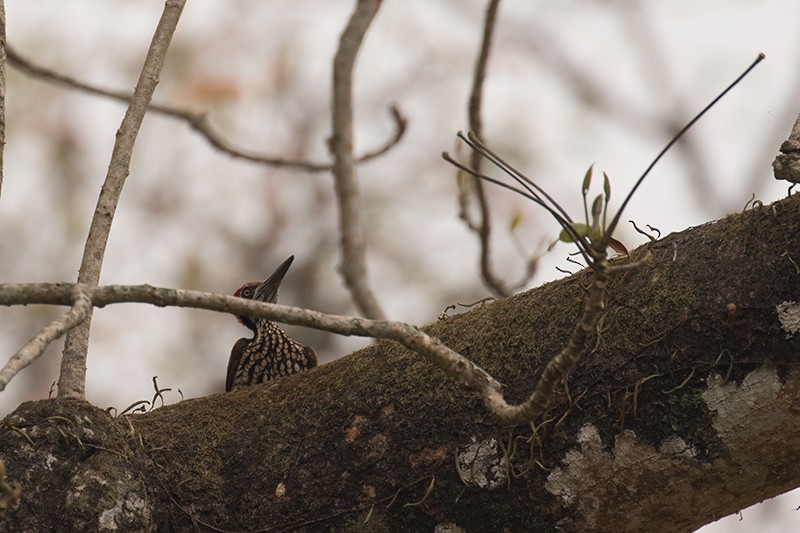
x,y
682,413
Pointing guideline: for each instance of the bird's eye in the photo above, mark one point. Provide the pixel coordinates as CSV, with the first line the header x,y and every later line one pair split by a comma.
x,y
245,292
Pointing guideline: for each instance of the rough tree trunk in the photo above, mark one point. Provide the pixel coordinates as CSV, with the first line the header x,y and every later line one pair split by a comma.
x,y
683,413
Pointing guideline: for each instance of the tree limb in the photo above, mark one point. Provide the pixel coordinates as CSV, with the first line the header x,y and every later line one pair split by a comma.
x,y
2,90
72,378
353,265
199,121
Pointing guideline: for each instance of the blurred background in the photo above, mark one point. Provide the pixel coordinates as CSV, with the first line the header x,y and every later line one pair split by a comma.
x,y
569,84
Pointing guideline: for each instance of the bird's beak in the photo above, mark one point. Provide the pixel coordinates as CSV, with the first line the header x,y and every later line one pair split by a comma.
x,y
267,291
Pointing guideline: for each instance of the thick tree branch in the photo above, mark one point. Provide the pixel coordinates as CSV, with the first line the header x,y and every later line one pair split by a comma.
x,y
353,266
683,413
200,123
72,378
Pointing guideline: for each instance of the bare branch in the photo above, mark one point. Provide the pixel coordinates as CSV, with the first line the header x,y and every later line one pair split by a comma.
x,y
353,266
2,89
482,227
532,191
401,124
81,308
199,121
72,378
451,362
476,94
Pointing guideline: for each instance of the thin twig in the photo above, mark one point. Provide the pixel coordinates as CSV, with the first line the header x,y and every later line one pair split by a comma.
x,y
530,192
199,121
482,227
613,224
100,296
72,378
81,308
353,266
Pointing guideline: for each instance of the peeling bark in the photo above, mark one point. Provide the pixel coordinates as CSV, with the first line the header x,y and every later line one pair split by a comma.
x,y
682,414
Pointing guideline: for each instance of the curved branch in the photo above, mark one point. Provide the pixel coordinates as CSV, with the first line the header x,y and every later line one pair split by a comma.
x,y
451,362
614,221
199,122
482,228
72,377
81,308
353,266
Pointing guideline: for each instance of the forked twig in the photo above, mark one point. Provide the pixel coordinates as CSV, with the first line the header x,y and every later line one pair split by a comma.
x,y
592,245
199,121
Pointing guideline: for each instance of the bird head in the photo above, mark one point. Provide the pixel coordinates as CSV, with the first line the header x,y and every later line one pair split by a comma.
x,y
263,291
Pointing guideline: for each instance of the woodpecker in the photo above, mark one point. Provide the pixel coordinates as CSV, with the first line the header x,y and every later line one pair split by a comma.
x,y
270,354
